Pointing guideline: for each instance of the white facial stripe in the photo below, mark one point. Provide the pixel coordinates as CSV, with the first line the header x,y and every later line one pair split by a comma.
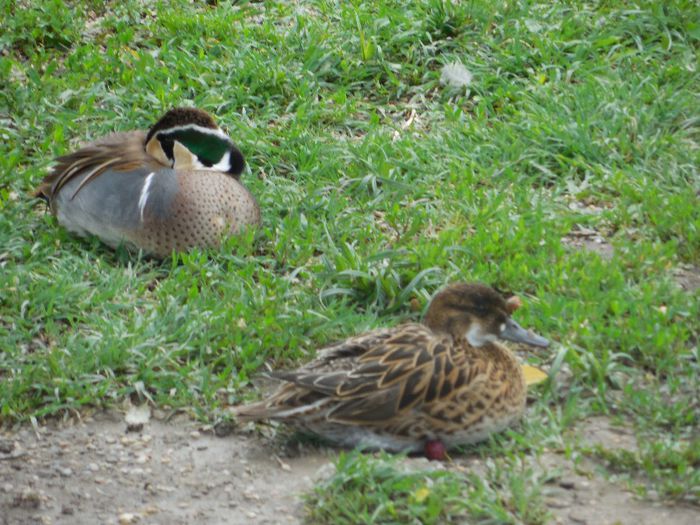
x,y
502,327
477,337
143,198
207,131
195,164
224,163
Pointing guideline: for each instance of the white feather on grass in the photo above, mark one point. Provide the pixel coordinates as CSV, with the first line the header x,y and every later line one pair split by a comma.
x,y
455,75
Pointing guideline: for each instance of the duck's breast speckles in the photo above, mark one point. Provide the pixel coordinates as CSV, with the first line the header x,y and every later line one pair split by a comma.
x,y
198,208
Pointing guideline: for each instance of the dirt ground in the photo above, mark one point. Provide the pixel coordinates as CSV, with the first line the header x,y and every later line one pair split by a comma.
x,y
95,471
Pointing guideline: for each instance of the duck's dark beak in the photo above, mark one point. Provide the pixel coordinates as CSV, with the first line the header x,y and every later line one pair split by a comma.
x,y
516,333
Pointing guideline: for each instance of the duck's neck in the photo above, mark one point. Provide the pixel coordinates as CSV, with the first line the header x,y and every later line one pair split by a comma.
x,y
494,351
452,326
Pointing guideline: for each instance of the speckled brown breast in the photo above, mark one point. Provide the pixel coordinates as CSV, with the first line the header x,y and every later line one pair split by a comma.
x,y
207,207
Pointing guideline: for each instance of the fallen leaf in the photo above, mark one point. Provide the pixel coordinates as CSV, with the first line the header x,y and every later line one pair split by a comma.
x,y
533,375
420,494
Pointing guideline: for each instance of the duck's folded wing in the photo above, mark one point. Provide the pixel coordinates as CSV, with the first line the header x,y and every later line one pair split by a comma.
x,y
118,151
388,378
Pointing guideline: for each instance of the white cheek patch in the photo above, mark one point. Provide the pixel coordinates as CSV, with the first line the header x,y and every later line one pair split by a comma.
x,y
477,337
224,164
502,328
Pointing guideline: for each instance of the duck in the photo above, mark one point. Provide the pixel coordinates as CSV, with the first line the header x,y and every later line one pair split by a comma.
x,y
416,387
168,189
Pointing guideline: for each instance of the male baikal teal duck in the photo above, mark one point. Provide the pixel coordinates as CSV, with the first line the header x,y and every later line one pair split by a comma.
x,y
171,188
428,386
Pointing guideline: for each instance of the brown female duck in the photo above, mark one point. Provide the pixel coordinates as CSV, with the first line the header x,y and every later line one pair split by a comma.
x,y
428,386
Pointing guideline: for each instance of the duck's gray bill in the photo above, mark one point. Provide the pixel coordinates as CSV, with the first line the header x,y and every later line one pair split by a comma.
x,y
516,333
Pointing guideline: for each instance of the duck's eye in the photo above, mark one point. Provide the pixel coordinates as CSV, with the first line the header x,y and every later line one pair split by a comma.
x,y
481,309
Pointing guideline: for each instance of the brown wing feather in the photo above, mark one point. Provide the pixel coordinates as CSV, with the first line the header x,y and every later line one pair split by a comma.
x,y
459,391
119,151
364,379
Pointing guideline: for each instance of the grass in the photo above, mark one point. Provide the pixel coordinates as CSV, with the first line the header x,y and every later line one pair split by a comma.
x,y
378,184
367,489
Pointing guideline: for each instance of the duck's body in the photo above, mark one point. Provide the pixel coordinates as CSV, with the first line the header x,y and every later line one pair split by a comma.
x,y
155,191
446,380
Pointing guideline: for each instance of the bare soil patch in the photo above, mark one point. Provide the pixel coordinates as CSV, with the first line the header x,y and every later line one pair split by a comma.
x,y
688,277
170,473
176,473
582,238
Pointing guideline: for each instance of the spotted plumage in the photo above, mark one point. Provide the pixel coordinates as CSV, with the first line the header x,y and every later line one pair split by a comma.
x,y
169,189
445,380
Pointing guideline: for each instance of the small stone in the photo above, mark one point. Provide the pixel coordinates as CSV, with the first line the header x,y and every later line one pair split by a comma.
x,y
567,483
7,487
28,499
68,511
251,496
93,467
66,472
557,503
224,428
576,517
652,495
125,518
